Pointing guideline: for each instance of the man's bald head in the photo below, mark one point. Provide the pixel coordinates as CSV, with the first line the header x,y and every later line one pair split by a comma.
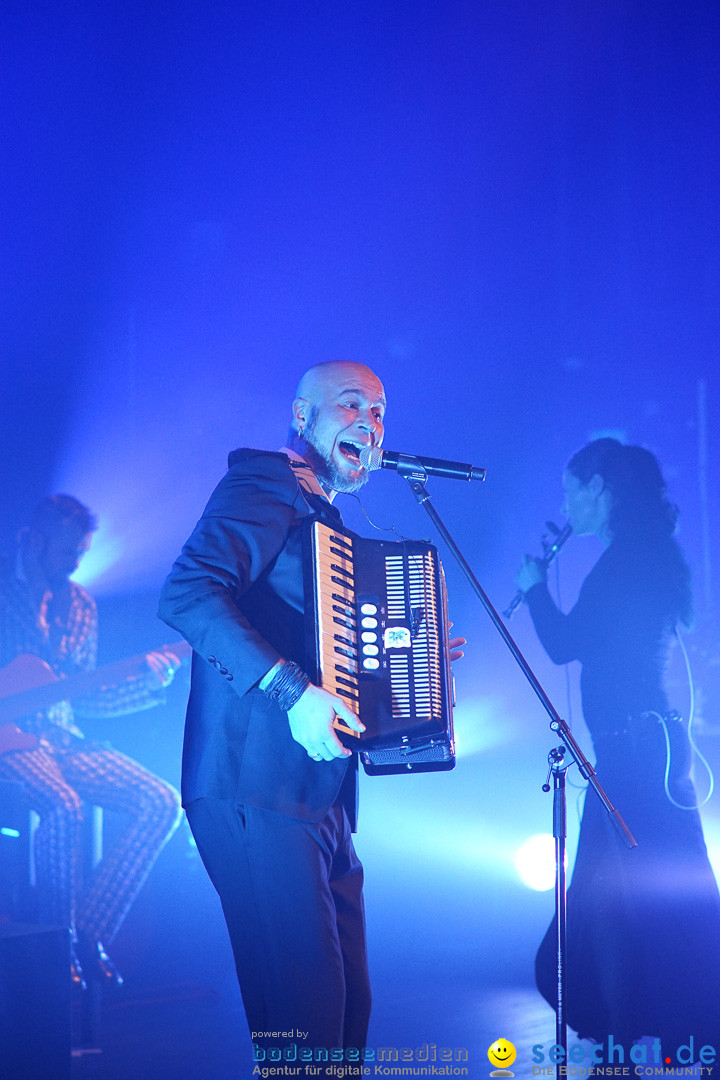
x,y
338,409
319,379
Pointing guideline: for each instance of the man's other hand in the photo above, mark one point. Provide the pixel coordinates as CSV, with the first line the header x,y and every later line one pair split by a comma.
x,y
456,644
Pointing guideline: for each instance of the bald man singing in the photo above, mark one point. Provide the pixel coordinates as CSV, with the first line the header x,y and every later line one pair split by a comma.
x,y
269,791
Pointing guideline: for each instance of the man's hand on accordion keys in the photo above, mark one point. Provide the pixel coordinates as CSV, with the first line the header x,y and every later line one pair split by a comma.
x,y
311,723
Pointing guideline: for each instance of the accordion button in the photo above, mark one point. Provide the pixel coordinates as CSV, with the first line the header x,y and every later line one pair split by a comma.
x,y
368,635
370,650
368,609
368,623
370,663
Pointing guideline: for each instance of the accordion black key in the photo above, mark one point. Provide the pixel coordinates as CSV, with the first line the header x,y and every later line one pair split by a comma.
x,y
377,627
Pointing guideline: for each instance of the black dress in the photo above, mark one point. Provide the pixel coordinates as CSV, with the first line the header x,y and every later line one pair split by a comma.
x,y
643,929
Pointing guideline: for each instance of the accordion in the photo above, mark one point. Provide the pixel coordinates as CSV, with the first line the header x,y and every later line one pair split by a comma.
x,y
378,638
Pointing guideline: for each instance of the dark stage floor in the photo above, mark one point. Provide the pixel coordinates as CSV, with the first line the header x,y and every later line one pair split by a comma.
x,y
198,1033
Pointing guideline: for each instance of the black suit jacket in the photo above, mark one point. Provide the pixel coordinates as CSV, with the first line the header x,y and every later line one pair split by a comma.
x,y
236,595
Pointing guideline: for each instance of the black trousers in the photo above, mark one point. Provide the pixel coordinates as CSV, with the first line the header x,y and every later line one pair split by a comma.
x,y
291,893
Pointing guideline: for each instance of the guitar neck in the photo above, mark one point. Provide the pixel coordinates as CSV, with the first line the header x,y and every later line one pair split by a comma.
x,y
38,698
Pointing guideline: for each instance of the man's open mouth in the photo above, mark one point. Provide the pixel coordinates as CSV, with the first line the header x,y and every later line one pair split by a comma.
x,y
351,451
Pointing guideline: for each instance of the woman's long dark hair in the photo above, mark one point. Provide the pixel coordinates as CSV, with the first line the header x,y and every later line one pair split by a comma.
x,y
640,511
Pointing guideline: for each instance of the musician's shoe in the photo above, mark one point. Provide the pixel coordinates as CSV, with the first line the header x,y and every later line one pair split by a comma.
x,y
77,978
98,965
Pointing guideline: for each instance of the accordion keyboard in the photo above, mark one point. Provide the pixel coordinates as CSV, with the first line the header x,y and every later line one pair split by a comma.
x,y
337,638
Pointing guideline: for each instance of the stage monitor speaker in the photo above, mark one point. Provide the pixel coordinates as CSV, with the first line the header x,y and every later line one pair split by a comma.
x,y
35,1006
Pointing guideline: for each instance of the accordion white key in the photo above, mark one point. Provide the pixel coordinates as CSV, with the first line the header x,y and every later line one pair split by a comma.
x,y
377,625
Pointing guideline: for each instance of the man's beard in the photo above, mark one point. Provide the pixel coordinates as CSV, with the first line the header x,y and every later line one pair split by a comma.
x,y
323,466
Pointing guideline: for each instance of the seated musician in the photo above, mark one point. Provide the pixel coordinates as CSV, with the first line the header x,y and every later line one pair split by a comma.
x,y
47,617
268,788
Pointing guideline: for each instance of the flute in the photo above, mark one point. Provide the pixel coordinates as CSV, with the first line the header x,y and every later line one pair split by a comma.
x,y
550,551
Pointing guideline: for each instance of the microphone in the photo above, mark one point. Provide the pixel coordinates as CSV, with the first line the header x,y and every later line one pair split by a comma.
x,y
372,457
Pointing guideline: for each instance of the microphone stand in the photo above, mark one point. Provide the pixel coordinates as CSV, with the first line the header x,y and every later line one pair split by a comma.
x,y
416,476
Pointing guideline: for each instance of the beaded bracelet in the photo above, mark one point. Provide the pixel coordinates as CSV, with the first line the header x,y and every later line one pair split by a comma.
x,y
287,685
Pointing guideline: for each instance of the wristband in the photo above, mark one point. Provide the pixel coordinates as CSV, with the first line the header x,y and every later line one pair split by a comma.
x,y
287,685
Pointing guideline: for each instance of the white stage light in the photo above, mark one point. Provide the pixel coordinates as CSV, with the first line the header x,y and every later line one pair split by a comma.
x,y
535,862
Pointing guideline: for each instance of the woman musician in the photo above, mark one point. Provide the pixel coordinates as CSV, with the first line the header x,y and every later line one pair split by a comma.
x,y
643,929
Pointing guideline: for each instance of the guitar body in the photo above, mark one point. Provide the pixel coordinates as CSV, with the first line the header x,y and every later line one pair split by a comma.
x,y
25,673
12,738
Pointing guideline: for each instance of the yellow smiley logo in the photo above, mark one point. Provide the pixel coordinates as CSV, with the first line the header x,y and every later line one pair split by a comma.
x,y
501,1054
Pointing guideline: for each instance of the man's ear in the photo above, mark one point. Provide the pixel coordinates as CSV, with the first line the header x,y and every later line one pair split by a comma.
x,y
301,412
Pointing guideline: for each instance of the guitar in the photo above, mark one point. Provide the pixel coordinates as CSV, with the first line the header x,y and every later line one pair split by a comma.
x,y
29,685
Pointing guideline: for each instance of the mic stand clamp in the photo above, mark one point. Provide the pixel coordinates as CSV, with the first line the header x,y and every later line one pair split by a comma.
x,y
412,470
